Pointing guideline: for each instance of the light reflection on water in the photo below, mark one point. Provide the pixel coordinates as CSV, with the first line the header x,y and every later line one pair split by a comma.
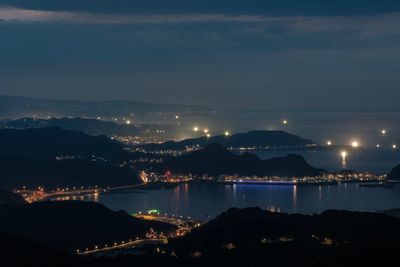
x,y
204,201
372,160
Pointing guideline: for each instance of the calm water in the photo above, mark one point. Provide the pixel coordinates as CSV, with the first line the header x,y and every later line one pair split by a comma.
x,y
204,201
201,200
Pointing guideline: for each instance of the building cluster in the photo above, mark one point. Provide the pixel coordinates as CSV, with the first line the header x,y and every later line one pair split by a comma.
x,y
333,178
157,137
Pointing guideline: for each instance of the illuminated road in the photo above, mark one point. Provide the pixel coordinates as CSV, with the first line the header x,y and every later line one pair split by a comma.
x,y
123,245
185,225
41,195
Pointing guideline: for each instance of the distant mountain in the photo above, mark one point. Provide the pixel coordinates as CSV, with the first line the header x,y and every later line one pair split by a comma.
x,y
20,107
50,143
394,174
88,126
253,139
73,224
7,197
215,160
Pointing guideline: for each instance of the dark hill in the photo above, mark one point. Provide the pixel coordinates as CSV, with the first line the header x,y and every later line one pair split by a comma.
x,y
7,197
256,139
73,224
255,237
18,172
88,126
394,174
215,160
49,143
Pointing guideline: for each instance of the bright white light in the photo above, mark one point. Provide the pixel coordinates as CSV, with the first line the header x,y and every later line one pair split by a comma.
x,y
285,122
208,135
343,154
329,143
196,129
128,122
205,130
383,131
355,144
177,117
227,133
378,145
394,146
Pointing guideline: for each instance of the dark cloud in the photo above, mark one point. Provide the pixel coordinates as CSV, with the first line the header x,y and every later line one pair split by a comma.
x,y
229,54
266,7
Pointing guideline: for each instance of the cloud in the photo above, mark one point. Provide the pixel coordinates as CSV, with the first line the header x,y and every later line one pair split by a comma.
x,y
369,25
13,14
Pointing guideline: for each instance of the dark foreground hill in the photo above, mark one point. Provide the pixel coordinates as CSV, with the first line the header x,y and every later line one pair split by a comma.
x,y
20,107
216,160
73,224
242,237
250,237
255,237
253,139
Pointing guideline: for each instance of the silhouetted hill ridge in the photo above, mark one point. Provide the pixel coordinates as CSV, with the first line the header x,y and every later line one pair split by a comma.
x,y
215,159
49,143
73,224
258,139
394,174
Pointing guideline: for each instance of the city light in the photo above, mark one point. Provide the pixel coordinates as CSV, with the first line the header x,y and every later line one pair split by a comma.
x,y
378,145
355,144
196,129
227,133
329,143
394,146
177,117
208,135
285,122
383,131
128,122
205,130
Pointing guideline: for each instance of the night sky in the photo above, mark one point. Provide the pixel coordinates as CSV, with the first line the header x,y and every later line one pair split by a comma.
x,y
283,54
